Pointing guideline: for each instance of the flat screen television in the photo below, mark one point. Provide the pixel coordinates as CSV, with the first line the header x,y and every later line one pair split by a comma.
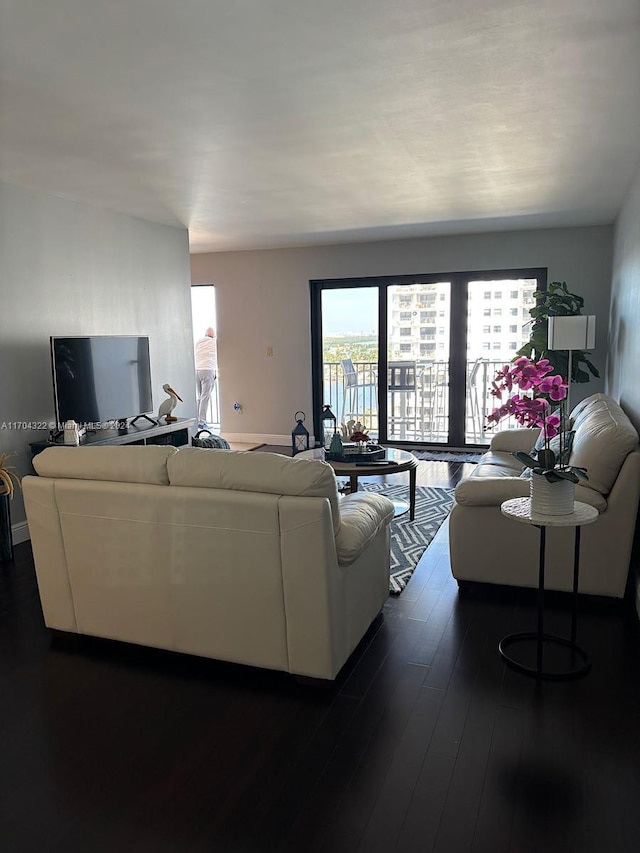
x,y
101,378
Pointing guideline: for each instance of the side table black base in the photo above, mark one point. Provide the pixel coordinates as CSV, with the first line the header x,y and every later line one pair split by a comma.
x,y
582,666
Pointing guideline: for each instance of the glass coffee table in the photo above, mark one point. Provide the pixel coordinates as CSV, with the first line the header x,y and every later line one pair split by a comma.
x,y
395,461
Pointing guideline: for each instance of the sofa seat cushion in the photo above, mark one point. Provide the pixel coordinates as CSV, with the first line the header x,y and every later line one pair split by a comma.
x,y
130,464
247,471
604,436
362,515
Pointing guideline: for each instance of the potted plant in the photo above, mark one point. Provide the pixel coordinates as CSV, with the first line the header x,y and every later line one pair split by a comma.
x,y
552,479
8,478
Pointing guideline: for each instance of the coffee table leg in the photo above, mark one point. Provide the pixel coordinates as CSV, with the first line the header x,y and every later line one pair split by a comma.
x,y
412,493
353,483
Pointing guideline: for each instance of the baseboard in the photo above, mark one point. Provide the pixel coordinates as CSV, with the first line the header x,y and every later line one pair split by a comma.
x,y
20,532
257,438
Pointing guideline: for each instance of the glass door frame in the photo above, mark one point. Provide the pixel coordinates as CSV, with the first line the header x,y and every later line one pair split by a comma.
x,y
457,351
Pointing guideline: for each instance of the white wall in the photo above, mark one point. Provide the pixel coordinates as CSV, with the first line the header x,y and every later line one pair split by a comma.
x,y
68,269
623,367
263,300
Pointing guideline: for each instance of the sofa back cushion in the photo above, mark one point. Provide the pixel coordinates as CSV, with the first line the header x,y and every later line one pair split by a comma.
x,y
117,464
604,436
255,472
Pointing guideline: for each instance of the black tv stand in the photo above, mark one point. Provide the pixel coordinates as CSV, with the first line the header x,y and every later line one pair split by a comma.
x,y
176,434
151,420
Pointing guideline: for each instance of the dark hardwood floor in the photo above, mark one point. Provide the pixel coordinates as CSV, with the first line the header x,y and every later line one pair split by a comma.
x,y
426,742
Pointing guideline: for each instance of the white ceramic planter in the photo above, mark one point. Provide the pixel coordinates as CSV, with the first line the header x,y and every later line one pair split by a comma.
x,y
551,498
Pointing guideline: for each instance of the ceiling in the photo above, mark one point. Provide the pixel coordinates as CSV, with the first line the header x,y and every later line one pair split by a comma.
x,y
264,123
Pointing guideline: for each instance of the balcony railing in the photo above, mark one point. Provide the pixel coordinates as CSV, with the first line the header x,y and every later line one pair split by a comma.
x,y
418,407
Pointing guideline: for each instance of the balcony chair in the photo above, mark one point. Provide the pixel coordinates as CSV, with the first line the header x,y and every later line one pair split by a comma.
x,y
353,384
473,403
403,381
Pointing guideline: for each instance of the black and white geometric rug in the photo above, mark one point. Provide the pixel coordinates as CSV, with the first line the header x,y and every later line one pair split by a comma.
x,y
447,455
409,539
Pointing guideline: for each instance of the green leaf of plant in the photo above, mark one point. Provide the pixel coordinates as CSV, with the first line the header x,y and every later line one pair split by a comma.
x,y
527,460
579,472
594,370
547,458
562,474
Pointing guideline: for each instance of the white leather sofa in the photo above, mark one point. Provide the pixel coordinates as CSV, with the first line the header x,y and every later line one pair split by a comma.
x,y
245,557
485,546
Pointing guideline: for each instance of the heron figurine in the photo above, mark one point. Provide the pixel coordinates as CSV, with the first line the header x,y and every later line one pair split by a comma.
x,y
166,408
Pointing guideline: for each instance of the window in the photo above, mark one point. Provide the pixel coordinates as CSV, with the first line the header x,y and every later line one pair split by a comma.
x,y
448,319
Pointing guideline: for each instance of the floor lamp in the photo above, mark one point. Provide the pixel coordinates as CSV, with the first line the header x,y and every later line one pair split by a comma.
x,y
571,333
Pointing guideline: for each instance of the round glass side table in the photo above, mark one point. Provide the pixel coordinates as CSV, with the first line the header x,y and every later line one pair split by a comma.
x,y
519,509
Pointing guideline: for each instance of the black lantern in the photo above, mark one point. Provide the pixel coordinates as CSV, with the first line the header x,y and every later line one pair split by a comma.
x,y
299,435
329,426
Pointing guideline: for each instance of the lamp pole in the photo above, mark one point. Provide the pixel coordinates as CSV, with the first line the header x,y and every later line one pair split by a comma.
x,y
569,384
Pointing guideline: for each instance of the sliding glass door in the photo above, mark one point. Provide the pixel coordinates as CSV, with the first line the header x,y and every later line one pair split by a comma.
x,y
497,326
350,354
418,361
413,357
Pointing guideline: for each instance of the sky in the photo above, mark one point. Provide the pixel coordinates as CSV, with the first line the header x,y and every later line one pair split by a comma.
x,y
203,309
350,310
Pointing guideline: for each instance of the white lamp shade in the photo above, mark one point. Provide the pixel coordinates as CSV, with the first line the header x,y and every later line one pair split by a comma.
x,y
572,333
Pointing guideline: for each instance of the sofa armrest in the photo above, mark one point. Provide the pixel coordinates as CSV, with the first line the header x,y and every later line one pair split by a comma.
x,y
362,514
512,440
490,491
